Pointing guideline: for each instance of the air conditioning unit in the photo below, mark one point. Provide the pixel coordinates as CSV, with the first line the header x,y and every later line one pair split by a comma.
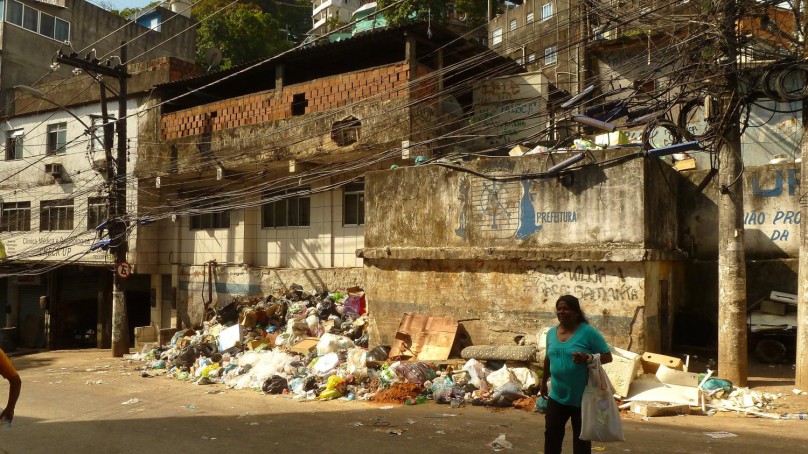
x,y
55,170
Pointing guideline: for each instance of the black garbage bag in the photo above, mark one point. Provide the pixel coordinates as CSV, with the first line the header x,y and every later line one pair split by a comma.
x,y
275,385
379,353
228,314
310,383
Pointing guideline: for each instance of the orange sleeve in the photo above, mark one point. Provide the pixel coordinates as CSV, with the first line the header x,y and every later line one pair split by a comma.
x,y
6,368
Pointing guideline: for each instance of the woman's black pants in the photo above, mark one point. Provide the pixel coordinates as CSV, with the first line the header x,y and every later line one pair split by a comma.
x,y
555,421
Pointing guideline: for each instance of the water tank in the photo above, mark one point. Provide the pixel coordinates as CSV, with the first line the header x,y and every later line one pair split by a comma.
x,y
181,7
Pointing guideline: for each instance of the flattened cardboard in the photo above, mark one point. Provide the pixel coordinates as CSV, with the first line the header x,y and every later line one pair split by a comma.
x,y
305,346
423,338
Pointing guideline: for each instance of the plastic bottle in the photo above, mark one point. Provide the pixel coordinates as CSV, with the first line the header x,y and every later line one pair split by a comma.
x,y
795,416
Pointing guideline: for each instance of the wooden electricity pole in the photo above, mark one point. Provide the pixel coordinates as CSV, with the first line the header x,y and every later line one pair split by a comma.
x,y
116,175
801,377
732,349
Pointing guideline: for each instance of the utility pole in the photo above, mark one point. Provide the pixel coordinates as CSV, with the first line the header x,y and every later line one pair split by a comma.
x,y
732,354
801,377
116,178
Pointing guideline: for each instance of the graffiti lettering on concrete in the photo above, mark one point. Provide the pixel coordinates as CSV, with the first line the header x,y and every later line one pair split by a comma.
x,y
580,273
777,189
780,218
591,282
547,217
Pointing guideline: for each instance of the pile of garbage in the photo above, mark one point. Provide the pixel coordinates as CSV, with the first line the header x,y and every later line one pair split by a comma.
x,y
315,346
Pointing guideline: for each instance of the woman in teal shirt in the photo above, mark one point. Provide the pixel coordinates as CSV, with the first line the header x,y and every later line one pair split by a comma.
x,y
570,347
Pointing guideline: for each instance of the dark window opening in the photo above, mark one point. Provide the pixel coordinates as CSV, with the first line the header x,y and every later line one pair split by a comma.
x,y
299,104
353,204
283,209
16,217
56,215
96,212
346,132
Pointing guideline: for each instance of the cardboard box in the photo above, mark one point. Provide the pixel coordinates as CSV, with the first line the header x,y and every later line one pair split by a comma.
x,y
424,338
652,361
654,409
259,344
685,164
305,346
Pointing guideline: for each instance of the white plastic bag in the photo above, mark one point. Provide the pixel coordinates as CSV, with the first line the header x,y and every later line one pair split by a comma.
x,y
600,418
477,372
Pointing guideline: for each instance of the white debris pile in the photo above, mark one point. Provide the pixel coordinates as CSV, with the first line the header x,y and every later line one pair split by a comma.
x,y
747,399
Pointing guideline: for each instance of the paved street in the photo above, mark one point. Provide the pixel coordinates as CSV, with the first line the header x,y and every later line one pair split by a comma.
x,y
72,401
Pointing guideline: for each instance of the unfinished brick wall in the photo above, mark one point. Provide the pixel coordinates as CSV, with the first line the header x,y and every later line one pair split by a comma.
x,y
386,82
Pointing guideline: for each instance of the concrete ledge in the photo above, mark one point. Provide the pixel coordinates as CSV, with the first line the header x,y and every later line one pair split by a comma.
x,y
568,253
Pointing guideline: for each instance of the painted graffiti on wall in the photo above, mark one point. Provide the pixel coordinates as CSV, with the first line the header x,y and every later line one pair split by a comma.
x,y
589,282
777,222
509,109
506,209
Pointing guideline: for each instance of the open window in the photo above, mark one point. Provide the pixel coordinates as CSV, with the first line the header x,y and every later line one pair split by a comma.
x,y
345,132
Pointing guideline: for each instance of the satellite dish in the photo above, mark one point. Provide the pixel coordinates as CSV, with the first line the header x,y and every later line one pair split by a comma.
x,y
213,57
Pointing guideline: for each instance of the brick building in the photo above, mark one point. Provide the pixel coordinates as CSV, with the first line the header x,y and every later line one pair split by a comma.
x,y
256,177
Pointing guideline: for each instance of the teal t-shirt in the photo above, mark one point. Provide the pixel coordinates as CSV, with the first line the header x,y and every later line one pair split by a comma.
x,y
568,379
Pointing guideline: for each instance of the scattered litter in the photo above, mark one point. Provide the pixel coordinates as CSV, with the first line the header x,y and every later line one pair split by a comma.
x,y
355,424
440,432
500,443
190,407
800,392
133,400
720,434
410,421
395,431
599,448
96,382
387,407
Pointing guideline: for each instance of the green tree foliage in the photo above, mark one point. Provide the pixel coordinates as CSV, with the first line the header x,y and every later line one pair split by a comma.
x,y
243,32
475,10
409,11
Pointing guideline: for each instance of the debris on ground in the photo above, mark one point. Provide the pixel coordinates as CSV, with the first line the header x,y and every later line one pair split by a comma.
x,y
314,346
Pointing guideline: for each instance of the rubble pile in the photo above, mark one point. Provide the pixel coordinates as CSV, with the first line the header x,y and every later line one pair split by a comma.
x,y
315,346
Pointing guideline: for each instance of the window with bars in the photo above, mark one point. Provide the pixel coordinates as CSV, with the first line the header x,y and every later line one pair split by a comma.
x,y
57,138
16,217
97,212
286,208
14,146
353,204
531,58
513,25
529,17
56,215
